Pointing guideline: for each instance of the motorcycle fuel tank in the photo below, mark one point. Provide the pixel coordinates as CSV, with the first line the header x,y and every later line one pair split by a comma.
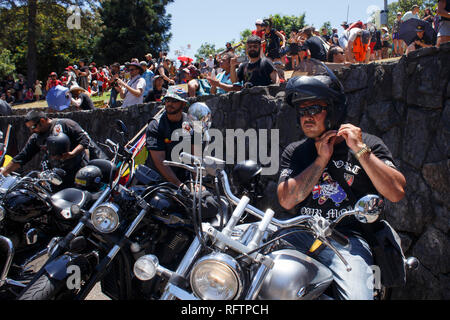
x,y
294,276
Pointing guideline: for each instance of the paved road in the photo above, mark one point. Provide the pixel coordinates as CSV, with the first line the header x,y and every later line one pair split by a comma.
x,y
96,294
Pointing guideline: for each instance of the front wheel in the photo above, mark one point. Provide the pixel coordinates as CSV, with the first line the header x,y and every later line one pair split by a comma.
x,y
43,289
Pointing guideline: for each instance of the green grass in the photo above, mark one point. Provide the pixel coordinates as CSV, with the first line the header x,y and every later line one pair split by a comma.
x,y
98,101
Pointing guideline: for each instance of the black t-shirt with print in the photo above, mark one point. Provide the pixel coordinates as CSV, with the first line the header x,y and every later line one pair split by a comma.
x,y
159,138
258,73
328,198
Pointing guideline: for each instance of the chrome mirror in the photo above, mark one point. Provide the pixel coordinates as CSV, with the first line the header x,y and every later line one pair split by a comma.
x,y
369,208
199,112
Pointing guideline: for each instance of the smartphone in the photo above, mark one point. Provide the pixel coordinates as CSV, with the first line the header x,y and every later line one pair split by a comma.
x,y
241,59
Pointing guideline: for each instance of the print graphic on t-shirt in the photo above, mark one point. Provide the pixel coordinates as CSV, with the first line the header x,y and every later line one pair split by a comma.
x,y
329,189
57,130
349,178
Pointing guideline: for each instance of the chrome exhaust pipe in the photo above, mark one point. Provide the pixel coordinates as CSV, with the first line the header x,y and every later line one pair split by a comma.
x,y
8,246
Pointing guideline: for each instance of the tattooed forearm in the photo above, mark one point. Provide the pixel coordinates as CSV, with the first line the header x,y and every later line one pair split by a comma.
x,y
308,180
297,189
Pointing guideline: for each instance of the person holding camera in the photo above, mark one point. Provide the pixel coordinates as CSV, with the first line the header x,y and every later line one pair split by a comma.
x,y
258,71
83,73
132,92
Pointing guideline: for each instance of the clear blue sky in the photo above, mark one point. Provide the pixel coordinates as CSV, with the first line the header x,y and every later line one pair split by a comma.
x,y
197,21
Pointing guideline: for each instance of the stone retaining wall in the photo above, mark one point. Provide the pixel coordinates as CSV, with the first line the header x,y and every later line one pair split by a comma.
x,y
406,103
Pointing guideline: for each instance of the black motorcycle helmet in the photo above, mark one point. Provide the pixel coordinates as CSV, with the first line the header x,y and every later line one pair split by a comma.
x,y
58,144
246,178
320,83
89,178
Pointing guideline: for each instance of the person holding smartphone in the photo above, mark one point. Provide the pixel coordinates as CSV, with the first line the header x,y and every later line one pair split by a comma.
x,y
258,71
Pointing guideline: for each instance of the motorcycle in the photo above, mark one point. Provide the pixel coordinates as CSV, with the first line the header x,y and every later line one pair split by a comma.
x,y
143,215
250,261
31,214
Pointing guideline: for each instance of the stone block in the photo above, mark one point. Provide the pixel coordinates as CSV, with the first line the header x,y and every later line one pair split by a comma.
x,y
433,251
425,88
418,134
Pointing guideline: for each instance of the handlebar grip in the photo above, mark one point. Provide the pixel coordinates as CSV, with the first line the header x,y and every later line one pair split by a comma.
x,y
339,238
189,157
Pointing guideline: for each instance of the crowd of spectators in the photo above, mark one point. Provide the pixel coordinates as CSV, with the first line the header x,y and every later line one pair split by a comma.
x,y
268,54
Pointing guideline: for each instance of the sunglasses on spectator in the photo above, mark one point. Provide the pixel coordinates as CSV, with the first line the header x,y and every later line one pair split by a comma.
x,y
171,100
311,110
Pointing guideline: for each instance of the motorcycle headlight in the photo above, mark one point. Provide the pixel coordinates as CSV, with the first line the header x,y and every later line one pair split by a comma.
x,y
105,217
2,213
145,267
217,277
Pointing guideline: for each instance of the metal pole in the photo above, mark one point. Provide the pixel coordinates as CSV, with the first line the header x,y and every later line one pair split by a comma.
x,y
348,10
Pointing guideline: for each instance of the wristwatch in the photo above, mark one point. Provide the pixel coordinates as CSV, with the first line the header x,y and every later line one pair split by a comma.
x,y
365,149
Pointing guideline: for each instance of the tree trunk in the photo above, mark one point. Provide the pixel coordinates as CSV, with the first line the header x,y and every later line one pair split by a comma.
x,y
31,40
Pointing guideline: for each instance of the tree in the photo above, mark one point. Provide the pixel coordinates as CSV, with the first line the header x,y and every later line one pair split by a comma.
x,y
288,23
205,50
405,6
53,45
133,28
328,27
31,12
7,67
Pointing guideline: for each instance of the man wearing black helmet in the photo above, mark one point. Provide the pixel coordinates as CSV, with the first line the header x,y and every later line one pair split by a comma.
x,y
63,142
325,173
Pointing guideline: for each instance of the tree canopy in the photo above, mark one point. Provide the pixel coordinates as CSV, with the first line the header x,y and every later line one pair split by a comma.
x,y
133,28
41,36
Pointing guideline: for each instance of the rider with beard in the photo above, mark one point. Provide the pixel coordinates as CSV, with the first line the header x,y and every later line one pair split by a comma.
x,y
51,136
159,143
259,71
159,137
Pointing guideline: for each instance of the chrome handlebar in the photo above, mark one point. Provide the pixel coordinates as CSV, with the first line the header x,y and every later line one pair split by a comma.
x,y
321,228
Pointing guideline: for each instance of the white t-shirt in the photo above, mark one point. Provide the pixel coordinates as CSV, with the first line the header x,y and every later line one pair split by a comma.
x,y
409,15
353,33
210,63
130,99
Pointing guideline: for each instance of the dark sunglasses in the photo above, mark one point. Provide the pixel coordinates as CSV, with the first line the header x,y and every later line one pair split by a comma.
x,y
171,100
35,125
311,110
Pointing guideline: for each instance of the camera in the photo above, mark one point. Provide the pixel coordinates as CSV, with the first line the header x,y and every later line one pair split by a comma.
x,y
114,83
